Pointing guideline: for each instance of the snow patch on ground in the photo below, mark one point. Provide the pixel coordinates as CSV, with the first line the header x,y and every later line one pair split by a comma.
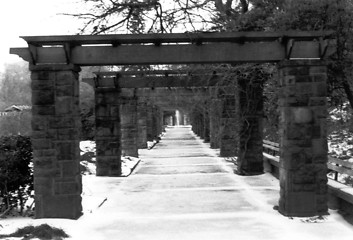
x,y
87,146
88,160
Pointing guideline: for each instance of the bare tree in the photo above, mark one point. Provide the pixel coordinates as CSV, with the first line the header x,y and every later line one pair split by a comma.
x,y
155,16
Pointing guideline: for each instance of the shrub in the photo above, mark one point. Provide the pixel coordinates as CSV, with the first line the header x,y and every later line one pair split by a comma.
x,y
43,232
16,176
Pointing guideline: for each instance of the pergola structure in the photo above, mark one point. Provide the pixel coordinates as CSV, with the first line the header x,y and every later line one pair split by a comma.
x,y
55,65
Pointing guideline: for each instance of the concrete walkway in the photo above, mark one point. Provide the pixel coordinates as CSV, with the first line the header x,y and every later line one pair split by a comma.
x,y
182,190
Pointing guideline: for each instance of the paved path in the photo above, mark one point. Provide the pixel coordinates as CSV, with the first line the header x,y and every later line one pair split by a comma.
x,y
182,190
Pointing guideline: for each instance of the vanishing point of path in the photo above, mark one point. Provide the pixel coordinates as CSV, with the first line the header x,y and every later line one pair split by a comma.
x,y
182,190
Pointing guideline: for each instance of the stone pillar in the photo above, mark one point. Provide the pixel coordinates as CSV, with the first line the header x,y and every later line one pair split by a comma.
x,y
128,119
55,141
303,146
159,121
108,134
193,122
206,123
201,124
181,118
250,159
167,118
229,126
174,120
215,122
142,124
197,123
154,122
149,122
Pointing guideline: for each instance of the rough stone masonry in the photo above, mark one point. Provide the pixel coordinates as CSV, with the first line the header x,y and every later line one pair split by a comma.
x,y
303,147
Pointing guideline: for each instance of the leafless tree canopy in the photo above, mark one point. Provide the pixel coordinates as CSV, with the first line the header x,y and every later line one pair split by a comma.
x,y
155,16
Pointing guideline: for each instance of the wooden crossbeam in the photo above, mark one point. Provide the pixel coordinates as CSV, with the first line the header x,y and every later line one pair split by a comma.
x,y
203,37
153,81
179,72
142,49
172,54
141,73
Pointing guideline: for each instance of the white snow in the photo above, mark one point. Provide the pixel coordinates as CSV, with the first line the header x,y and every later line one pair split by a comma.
x,y
97,191
87,146
107,193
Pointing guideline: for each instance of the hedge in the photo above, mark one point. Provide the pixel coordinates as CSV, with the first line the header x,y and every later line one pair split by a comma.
x,y
16,174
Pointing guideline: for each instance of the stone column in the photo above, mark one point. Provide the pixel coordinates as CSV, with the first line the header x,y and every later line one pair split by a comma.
x,y
108,134
215,122
201,124
303,146
142,124
181,118
193,122
159,121
128,118
206,123
154,122
55,141
149,122
174,120
250,159
229,126
197,122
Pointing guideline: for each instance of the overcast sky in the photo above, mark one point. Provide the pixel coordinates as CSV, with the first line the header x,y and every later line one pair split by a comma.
x,y
32,18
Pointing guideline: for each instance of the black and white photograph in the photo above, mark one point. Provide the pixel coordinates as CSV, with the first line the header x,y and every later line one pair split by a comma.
x,y
176,119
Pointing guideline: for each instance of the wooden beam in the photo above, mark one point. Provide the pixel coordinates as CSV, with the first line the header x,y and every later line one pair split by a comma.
x,y
153,82
173,54
203,37
178,72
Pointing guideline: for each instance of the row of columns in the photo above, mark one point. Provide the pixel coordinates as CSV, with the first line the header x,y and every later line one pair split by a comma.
x,y
232,121
124,124
235,126
56,124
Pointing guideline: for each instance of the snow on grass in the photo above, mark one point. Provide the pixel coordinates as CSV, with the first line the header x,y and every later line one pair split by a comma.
x,y
88,160
92,197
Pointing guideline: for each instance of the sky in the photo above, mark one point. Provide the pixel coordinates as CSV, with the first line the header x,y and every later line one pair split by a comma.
x,y
33,18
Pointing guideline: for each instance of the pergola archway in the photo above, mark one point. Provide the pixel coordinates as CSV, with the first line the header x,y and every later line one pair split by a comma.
x,y
55,65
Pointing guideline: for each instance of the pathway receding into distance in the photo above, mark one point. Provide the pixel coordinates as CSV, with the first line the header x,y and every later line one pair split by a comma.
x,y
182,190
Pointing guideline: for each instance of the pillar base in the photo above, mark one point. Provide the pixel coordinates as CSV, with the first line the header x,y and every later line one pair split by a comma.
x,y
66,206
